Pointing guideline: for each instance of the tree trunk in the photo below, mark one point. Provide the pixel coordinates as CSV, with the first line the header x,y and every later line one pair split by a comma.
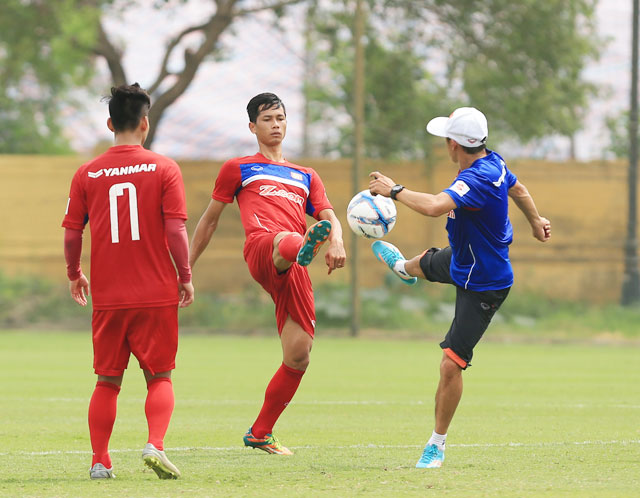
x,y
631,283
358,153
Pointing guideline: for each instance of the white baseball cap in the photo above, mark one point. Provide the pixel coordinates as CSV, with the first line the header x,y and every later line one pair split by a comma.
x,y
466,125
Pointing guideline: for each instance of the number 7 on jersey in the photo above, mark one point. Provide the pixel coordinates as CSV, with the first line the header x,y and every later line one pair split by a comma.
x,y
114,192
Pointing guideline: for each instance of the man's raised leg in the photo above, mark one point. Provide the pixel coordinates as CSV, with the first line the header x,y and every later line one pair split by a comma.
x,y
291,247
393,258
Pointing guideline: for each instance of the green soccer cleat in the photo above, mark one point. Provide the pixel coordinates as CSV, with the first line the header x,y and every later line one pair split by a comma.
x,y
157,461
390,255
316,235
432,457
99,471
268,443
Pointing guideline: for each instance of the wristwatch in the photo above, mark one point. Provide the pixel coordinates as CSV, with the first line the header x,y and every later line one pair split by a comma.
x,y
395,190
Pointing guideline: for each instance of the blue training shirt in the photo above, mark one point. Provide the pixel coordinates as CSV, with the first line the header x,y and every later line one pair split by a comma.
x,y
479,228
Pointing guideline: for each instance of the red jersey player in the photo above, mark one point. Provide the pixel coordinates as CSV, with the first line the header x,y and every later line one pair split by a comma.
x,y
134,202
274,195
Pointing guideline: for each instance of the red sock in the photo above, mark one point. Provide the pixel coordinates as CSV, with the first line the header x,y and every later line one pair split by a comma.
x,y
280,391
289,246
158,409
102,415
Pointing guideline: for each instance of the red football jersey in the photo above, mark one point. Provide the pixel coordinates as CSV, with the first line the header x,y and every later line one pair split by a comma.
x,y
272,196
126,194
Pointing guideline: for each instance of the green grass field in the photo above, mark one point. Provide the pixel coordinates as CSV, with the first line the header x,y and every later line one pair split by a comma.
x,y
535,420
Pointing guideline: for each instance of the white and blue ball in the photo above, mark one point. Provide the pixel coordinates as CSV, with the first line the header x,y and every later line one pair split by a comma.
x,y
371,216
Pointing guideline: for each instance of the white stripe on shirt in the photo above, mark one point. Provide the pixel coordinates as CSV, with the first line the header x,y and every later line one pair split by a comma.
x,y
276,179
258,220
466,284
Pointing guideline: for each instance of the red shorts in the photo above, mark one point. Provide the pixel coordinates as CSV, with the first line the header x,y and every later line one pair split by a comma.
x,y
151,334
291,291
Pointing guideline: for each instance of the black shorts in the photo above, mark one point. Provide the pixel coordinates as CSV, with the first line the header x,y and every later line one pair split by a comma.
x,y
474,309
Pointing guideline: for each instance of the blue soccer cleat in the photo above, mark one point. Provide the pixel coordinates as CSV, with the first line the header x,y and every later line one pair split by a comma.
x,y
316,235
432,457
389,254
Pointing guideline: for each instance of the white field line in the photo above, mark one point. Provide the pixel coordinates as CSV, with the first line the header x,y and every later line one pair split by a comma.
x,y
239,402
541,444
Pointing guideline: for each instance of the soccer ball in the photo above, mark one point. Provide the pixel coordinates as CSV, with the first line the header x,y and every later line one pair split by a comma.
x,y
371,216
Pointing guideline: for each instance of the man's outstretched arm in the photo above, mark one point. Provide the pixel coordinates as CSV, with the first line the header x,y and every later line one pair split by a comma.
x,y
541,227
427,204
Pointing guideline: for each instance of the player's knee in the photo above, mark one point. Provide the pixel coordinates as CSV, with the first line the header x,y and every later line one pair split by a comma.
x,y
116,379
448,367
299,360
289,245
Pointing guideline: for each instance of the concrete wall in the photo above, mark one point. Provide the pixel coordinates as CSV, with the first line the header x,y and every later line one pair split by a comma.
x,y
586,203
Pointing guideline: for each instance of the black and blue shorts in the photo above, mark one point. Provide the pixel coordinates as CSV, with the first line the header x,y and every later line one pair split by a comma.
x,y
474,309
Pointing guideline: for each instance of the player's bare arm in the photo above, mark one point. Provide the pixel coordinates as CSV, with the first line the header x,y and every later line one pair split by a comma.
x,y
335,256
204,230
540,226
427,204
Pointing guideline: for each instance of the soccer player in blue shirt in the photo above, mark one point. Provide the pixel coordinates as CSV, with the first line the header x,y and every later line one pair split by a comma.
x,y
477,259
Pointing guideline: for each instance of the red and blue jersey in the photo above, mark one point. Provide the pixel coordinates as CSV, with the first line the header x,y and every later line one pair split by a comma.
x,y
479,228
272,196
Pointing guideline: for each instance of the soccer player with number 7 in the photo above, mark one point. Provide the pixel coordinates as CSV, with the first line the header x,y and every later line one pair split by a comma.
x,y
134,202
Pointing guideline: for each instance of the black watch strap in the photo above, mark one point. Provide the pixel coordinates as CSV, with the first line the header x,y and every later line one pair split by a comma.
x,y
395,190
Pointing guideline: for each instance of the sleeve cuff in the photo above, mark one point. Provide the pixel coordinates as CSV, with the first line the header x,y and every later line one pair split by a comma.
x,y
74,275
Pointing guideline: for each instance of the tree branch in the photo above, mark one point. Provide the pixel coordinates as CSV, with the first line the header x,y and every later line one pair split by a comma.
x,y
212,30
272,6
112,55
164,72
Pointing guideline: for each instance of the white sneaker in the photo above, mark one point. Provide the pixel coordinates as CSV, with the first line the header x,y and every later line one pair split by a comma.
x,y
99,471
157,461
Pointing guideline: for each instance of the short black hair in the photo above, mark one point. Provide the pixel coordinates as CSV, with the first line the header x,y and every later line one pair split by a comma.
x,y
262,102
471,150
128,104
